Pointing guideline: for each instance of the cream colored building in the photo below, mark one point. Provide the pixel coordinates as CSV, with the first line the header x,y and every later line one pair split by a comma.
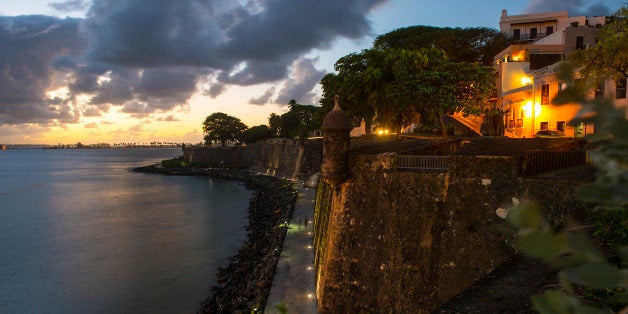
x,y
526,71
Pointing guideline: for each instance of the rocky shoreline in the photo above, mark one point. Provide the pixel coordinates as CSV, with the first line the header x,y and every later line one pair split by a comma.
x,y
244,285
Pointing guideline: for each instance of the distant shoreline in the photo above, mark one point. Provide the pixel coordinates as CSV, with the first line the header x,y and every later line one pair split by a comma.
x,y
29,146
245,283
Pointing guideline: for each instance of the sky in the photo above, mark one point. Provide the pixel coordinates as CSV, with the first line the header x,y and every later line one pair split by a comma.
x,y
140,71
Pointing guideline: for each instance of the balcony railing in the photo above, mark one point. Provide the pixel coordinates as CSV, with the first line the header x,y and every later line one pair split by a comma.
x,y
525,37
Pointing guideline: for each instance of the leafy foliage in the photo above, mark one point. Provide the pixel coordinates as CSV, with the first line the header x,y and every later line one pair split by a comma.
x,y
220,128
475,44
297,122
257,133
400,84
581,264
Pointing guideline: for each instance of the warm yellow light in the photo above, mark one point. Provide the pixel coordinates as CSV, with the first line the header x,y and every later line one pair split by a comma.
x,y
386,131
380,132
527,109
519,56
526,80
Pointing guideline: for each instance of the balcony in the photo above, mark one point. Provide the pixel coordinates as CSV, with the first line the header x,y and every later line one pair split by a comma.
x,y
529,37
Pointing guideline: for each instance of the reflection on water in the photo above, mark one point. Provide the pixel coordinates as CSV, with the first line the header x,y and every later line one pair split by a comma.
x,y
81,233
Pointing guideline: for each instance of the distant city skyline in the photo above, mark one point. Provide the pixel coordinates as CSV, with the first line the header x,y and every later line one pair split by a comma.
x,y
133,71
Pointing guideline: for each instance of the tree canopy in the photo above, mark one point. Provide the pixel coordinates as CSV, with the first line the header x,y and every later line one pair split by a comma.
x,y
220,128
297,122
473,44
257,133
398,83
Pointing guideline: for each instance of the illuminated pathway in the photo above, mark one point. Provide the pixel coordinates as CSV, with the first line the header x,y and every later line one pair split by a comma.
x,y
294,283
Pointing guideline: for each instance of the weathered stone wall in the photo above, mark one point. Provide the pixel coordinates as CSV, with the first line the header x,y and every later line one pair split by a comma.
x,y
279,157
408,241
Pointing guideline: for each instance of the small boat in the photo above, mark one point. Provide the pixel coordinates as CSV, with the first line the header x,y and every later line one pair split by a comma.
x,y
4,147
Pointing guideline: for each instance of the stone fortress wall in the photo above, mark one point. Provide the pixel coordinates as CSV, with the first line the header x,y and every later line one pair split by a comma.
x,y
407,241
285,158
395,240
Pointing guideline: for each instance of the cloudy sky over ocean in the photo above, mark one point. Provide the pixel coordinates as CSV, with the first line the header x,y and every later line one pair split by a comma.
x,y
152,70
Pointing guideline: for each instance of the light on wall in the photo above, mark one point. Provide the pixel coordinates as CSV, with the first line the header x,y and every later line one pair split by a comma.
x,y
526,80
527,109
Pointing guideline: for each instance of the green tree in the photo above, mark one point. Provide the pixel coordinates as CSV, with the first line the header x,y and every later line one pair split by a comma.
x,y
274,123
475,44
396,84
349,84
257,133
220,128
298,121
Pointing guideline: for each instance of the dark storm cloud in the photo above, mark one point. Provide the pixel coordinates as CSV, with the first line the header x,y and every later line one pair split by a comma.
x,y
155,90
264,98
303,79
69,6
148,56
266,36
154,33
28,44
574,7
215,89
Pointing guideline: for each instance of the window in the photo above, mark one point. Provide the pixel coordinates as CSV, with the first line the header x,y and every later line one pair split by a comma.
x,y
579,42
516,34
544,125
545,94
574,24
533,33
599,90
560,126
620,88
549,30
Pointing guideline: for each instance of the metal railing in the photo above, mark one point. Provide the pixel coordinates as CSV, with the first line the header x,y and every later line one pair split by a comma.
x,y
544,161
523,37
423,163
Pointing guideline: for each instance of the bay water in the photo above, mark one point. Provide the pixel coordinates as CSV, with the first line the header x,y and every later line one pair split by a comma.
x,y
81,233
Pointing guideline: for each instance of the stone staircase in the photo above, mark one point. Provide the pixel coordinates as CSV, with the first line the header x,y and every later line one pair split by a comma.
x,y
473,123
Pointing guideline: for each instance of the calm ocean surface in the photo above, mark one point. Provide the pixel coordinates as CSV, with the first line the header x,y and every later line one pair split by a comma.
x,y
80,233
